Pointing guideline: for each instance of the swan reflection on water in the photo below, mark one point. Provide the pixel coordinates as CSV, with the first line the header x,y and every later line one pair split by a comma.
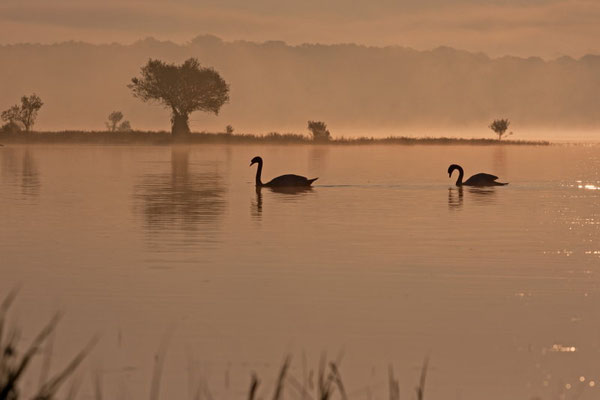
x,y
479,195
455,197
285,194
293,190
482,195
256,208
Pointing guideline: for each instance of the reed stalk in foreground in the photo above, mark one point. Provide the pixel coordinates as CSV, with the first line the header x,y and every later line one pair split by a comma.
x,y
13,368
394,386
421,388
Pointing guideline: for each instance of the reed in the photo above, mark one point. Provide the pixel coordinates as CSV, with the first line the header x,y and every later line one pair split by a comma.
x,y
421,388
14,368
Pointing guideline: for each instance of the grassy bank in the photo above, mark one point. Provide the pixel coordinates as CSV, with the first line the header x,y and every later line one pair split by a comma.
x,y
164,138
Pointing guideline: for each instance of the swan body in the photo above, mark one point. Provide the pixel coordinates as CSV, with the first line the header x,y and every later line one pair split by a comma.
x,y
481,179
289,180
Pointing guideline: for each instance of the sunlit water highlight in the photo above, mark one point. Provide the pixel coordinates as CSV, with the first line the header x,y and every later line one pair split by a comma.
x,y
384,260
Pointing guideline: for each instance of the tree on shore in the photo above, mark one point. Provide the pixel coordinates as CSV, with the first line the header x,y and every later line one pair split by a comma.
x,y
319,131
114,123
124,126
182,88
24,115
499,126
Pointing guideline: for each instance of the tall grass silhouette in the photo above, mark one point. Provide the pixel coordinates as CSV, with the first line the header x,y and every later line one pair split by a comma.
x,y
14,367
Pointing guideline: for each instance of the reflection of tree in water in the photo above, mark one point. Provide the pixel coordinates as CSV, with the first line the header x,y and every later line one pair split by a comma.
x,y
318,157
183,200
499,160
30,177
20,168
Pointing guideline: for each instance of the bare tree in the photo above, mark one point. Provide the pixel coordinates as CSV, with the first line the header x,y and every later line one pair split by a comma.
x,y
500,126
319,131
182,88
25,114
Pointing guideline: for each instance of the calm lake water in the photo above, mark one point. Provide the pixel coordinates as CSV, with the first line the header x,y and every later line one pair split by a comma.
x,y
383,262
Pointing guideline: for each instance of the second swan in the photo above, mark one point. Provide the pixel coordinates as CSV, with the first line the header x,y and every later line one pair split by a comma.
x,y
480,179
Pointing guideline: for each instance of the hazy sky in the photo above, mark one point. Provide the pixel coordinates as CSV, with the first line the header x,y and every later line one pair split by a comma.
x,y
547,28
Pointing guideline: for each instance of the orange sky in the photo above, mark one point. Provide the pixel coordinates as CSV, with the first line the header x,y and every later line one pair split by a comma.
x,y
546,28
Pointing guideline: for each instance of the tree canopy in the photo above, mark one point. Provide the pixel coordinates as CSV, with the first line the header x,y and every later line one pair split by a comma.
x,y
319,131
115,122
24,114
499,126
182,88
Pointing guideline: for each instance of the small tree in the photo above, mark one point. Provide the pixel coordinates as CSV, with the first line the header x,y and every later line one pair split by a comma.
x,y
113,120
182,88
113,124
319,131
12,116
500,126
124,126
11,127
25,114
229,130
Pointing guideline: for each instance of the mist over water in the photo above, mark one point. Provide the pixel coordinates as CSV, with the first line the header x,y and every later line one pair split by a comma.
x,y
383,261
357,90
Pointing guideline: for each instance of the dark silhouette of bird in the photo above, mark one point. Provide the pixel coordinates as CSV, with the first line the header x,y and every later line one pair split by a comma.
x,y
289,180
480,179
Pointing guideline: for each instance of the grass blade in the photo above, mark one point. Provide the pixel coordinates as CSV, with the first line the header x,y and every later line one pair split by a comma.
x,y
281,379
421,387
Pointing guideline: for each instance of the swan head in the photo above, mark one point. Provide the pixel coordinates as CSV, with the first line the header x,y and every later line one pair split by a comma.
x,y
451,169
255,160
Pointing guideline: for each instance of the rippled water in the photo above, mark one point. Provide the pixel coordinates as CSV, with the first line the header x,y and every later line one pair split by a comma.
x,y
383,262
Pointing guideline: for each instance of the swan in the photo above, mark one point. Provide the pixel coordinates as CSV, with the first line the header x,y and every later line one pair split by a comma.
x,y
288,180
476,180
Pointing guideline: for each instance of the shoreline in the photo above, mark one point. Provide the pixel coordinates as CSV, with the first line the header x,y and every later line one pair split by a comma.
x,y
165,138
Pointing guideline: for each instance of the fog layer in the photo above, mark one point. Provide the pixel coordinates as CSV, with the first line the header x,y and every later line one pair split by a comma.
x,y
278,87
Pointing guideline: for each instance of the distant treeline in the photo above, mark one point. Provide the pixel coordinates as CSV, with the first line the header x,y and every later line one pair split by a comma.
x,y
349,86
163,138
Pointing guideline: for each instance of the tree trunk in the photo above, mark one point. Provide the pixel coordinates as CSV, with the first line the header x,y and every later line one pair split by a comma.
x,y
180,128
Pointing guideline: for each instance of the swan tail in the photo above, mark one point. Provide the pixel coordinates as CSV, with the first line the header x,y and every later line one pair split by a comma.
x,y
310,181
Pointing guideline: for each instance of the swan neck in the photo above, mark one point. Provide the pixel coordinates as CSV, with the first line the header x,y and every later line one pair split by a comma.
x,y
258,173
461,173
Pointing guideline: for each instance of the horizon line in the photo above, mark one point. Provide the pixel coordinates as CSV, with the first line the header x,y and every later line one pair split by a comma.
x,y
298,45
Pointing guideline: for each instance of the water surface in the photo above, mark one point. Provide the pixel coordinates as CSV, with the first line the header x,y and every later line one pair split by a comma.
x,y
383,262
